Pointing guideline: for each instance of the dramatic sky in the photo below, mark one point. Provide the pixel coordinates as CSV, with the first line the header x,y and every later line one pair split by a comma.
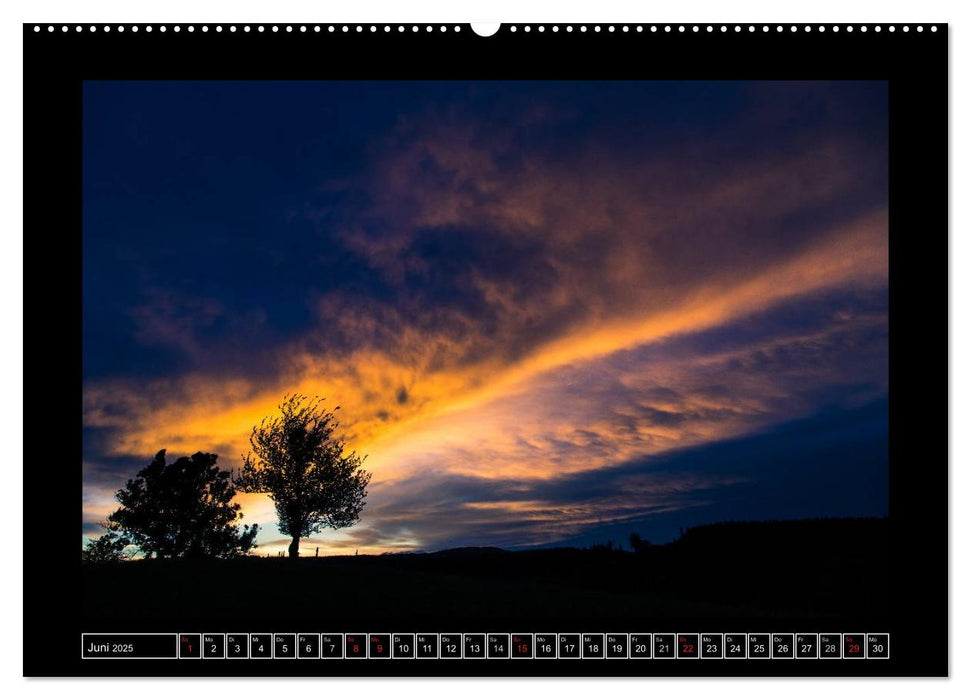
x,y
550,312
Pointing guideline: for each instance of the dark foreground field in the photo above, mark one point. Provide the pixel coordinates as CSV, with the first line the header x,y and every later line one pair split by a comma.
x,y
789,569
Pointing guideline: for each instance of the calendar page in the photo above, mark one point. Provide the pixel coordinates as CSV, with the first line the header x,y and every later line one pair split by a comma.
x,y
534,349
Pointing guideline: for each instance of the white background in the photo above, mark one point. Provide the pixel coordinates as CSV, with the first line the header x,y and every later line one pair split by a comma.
x,y
305,11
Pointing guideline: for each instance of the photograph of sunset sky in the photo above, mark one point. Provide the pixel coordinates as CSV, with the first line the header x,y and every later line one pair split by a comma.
x,y
478,336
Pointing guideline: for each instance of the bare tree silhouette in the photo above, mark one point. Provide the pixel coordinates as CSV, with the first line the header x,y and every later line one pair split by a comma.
x,y
298,461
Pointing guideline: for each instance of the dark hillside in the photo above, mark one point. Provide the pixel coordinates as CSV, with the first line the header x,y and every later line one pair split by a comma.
x,y
806,568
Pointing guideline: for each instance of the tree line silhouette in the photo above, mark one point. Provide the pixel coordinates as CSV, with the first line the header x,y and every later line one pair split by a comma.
x,y
185,509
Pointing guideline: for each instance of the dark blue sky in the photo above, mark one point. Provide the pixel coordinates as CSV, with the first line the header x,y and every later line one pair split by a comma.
x,y
524,288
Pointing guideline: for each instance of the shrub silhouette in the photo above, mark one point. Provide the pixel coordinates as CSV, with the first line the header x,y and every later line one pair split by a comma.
x,y
183,509
298,461
638,544
109,547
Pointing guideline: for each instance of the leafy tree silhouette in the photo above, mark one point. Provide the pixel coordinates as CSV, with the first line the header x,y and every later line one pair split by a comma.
x,y
639,544
109,547
298,461
183,509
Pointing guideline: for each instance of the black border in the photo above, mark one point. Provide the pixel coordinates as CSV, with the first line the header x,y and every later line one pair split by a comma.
x,y
914,62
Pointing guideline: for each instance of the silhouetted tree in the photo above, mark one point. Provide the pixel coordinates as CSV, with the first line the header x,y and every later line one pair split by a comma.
x,y
637,544
183,509
109,547
298,461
